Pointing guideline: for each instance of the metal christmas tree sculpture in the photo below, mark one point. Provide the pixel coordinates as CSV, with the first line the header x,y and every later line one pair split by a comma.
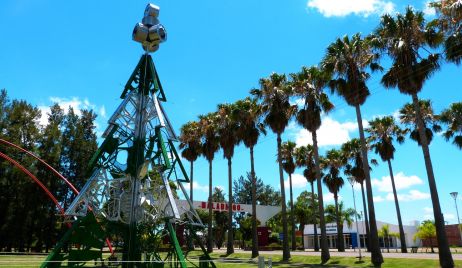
x,y
131,195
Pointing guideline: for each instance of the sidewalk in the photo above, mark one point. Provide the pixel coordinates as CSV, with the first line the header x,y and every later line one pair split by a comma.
x,y
350,253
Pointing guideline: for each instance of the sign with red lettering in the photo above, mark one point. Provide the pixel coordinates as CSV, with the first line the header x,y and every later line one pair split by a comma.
x,y
216,206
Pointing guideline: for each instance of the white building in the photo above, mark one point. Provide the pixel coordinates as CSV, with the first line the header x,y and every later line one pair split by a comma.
x,y
350,235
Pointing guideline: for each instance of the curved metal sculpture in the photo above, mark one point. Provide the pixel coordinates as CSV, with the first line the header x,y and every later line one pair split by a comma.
x,y
40,184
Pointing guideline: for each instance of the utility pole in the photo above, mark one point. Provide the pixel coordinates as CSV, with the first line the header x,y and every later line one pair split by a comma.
x,y
454,195
352,182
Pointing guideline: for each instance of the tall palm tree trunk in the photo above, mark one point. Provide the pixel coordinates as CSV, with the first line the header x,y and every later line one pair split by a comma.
x,y
398,212
254,206
366,220
294,241
376,255
340,241
230,248
285,239
325,255
316,246
209,228
191,181
443,247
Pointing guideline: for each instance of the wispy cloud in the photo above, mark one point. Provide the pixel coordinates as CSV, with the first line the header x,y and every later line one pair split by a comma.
x,y
330,133
298,182
198,187
427,10
342,8
76,103
401,182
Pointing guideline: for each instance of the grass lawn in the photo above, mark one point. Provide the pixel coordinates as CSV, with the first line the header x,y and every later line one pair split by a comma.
x,y
242,260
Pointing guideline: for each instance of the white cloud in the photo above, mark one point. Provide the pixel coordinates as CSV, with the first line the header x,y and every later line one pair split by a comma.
x,y
378,199
299,102
44,110
341,8
428,215
401,182
428,210
331,132
427,10
298,182
413,195
329,197
76,103
197,187
102,111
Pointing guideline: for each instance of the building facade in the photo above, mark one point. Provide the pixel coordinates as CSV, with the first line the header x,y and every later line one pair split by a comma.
x,y
350,235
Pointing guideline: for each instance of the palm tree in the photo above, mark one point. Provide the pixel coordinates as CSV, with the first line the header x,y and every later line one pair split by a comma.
x,y
348,59
431,121
228,135
191,145
453,118
288,164
304,157
248,114
274,96
383,131
210,145
450,22
352,151
332,163
404,37
308,84
340,214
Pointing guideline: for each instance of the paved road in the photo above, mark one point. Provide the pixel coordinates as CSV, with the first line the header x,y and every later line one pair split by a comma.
x,y
351,253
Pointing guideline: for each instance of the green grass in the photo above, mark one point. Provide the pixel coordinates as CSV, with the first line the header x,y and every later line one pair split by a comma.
x,y
242,260
314,261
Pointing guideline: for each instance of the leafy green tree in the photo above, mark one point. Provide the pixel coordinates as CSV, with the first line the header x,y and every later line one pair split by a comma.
x,y
304,157
308,84
20,219
405,37
305,211
248,113
191,146
288,164
383,132
452,117
427,230
266,194
50,148
274,94
349,59
210,145
333,163
220,219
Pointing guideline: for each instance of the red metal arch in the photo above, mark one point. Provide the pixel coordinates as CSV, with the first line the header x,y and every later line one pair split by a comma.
x,y
39,183
43,162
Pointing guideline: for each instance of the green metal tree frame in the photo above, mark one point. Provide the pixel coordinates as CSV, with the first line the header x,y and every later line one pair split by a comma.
x,y
149,149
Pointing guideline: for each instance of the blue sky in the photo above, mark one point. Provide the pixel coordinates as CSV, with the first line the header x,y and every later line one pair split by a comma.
x,y
82,54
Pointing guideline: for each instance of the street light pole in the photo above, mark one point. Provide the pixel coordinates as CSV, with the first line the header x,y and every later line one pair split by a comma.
x,y
454,195
352,182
